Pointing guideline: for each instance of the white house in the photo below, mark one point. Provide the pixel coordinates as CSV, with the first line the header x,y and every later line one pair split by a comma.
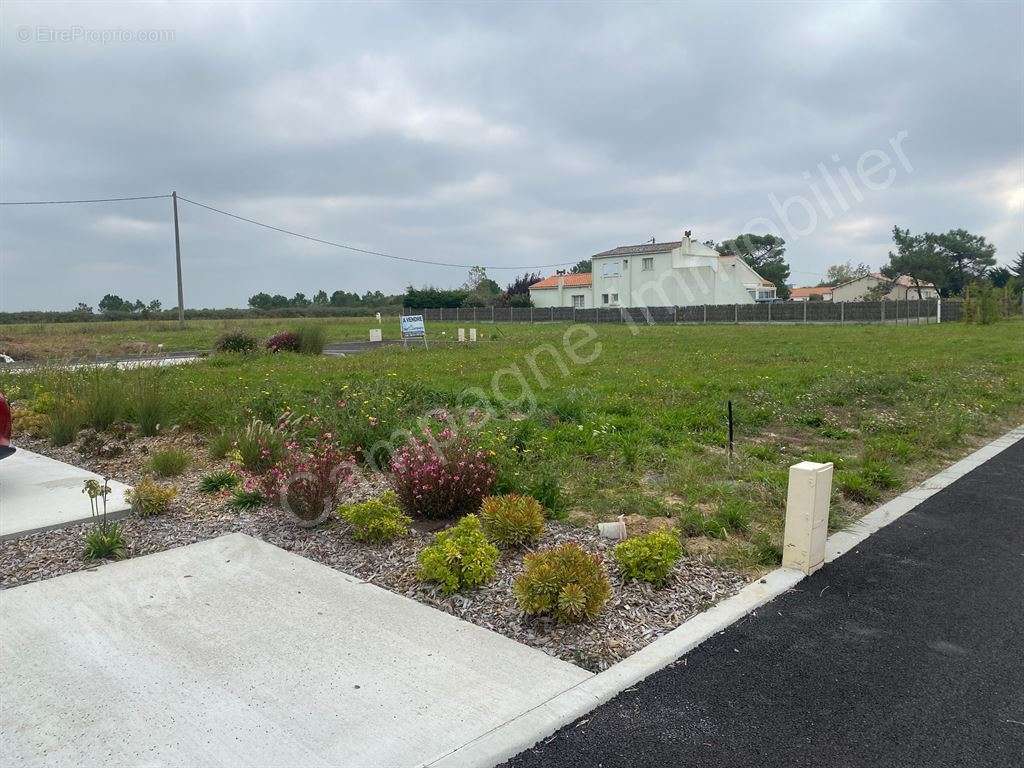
x,y
902,288
564,291
679,273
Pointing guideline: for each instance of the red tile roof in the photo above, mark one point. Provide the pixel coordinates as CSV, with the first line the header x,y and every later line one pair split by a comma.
x,y
817,290
582,280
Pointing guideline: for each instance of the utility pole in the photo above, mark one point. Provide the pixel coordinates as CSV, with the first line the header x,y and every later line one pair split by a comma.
x,y
177,261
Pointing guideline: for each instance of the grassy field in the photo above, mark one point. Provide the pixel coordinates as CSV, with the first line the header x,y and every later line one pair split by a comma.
x,y
626,423
63,341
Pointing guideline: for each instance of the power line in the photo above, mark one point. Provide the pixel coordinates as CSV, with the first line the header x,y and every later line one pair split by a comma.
x,y
95,200
364,250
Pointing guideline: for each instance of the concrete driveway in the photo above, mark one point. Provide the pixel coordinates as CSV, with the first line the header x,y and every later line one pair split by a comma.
x,y
232,652
38,493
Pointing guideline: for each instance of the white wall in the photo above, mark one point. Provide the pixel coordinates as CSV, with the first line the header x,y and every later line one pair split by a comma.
x,y
678,278
549,297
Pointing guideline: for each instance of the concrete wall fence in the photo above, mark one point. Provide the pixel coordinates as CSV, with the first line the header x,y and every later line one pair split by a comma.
x,y
913,311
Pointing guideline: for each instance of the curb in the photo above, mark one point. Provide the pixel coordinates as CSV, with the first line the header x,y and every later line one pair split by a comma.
x,y
535,725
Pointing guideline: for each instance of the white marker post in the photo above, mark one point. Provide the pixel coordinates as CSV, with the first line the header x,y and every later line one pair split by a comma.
x,y
472,334
462,334
807,502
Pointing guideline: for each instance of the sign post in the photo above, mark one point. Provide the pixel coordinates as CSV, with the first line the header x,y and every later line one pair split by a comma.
x,y
413,328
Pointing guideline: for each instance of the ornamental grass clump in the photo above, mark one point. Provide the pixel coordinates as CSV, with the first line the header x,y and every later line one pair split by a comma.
x,y
512,520
460,557
441,476
236,341
650,557
376,521
150,498
307,481
258,447
564,582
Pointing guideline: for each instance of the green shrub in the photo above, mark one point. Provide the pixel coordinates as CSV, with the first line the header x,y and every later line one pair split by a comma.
x,y
105,541
220,480
149,498
650,557
149,404
376,521
459,557
259,447
102,398
565,582
312,337
245,500
170,462
236,341
512,520
221,445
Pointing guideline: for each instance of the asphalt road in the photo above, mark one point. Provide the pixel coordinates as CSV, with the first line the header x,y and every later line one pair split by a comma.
x,y
907,652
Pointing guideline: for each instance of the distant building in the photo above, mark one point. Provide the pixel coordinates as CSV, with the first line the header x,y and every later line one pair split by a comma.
x,y
564,290
679,273
903,288
805,294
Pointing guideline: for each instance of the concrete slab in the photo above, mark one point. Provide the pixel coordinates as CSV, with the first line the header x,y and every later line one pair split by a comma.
x,y
38,493
234,652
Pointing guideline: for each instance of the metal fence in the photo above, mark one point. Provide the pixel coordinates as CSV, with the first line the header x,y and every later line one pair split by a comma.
x,y
910,312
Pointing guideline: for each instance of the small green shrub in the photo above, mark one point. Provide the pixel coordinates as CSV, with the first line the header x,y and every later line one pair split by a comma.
x,y
565,582
105,541
460,557
259,447
221,445
220,480
650,557
376,521
103,398
312,337
512,520
244,500
236,341
149,498
170,462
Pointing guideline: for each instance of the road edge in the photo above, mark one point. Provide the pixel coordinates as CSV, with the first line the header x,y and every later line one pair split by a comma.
x,y
537,724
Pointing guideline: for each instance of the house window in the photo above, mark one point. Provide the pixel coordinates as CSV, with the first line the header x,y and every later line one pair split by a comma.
x,y
615,298
577,301
604,298
647,265
610,269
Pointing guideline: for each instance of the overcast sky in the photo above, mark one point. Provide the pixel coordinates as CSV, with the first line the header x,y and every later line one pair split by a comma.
x,y
501,135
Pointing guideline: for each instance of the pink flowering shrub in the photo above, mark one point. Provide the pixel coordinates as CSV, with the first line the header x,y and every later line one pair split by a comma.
x,y
285,341
442,476
307,482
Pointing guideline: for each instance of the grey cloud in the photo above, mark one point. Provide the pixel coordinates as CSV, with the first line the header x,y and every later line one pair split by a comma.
x,y
498,134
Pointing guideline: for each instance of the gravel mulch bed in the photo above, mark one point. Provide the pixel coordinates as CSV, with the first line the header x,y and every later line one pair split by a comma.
x,y
636,615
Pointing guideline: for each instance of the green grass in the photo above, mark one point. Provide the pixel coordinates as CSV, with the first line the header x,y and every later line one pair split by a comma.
x,y
170,462
219,480
641,428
